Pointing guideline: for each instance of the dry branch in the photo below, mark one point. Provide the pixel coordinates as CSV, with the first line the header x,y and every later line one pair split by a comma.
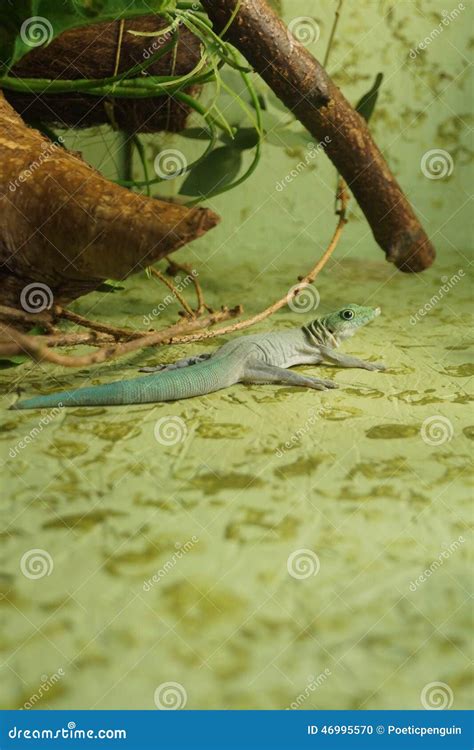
x,y
14,342
304,86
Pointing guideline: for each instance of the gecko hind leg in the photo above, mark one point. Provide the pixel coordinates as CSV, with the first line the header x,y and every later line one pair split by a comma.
x,y
186,362
271,374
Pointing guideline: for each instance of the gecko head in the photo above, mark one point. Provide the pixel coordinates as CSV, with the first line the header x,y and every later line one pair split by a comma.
x,y
345,322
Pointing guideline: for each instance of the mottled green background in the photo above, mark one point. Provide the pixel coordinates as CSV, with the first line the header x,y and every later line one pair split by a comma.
x,y
375,482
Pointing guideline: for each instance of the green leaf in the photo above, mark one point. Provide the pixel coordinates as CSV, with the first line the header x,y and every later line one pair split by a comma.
x,y
217,170
109,287
26,24
7,362
37,330
366,104
243,139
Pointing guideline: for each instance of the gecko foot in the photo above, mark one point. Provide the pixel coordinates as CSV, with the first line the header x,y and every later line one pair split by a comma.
x,y
376,366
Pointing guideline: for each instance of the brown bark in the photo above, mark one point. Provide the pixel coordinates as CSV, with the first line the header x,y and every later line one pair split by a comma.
x,y
304,86
91,52
64,225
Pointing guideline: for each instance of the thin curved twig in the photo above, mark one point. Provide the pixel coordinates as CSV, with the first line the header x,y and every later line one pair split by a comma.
x,y
343,197
187,309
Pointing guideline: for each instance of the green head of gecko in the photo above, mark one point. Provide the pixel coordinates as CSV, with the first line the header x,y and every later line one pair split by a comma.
x,y
347,320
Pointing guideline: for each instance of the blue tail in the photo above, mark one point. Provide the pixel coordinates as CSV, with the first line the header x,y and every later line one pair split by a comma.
x,y
195,380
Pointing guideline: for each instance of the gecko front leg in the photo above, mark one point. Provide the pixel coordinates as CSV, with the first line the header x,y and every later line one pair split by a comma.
x,y
345,360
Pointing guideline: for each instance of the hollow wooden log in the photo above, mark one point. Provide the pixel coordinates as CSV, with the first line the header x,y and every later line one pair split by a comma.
x,y
98,51
64,226
304,87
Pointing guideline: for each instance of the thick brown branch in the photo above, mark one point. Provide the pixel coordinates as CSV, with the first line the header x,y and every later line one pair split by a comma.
x,y
303,85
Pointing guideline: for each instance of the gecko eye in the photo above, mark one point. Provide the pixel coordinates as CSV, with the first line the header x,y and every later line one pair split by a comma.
x,y
347,314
